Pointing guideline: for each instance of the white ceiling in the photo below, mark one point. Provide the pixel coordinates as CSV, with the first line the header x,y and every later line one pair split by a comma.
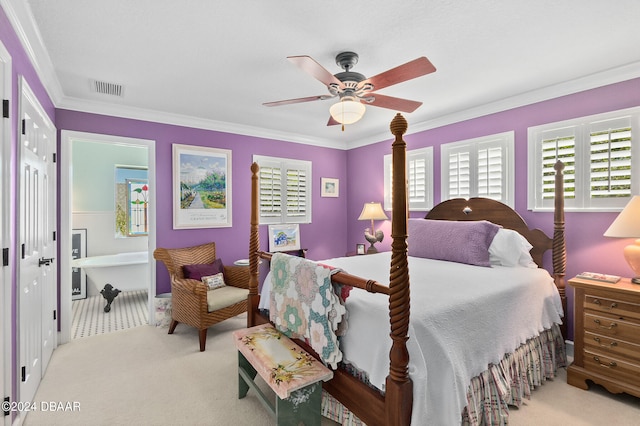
x,y
212,64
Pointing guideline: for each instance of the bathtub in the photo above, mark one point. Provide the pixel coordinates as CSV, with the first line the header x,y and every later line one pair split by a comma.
x,y
124,271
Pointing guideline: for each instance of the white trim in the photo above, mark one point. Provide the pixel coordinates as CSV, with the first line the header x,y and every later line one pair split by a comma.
x,y
6,142
66,139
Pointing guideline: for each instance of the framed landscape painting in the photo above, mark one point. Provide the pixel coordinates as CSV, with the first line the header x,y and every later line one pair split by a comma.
x,y
201,187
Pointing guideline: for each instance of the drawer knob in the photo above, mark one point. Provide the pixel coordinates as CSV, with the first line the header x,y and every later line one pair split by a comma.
x,y
612,344
611,364
599,303
613,325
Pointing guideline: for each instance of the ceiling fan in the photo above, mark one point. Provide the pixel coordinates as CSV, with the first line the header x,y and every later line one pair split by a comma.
x,y
354,89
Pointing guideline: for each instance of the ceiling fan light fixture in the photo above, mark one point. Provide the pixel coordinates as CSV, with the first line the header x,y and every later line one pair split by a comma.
x,y
347,111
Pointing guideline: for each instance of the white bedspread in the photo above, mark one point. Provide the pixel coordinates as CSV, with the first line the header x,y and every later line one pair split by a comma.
x,y
463,318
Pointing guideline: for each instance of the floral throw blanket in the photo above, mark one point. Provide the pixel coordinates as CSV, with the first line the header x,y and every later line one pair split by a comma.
x,y
304,305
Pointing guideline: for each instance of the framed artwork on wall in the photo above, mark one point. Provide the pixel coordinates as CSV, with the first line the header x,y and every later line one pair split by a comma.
x,y
284,237
78,276
201,187
330,187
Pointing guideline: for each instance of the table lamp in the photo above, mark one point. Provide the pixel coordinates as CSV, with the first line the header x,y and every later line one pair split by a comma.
x,y
627,225
372,211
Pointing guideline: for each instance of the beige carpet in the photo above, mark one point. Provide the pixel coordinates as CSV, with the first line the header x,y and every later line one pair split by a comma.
x,y
144,376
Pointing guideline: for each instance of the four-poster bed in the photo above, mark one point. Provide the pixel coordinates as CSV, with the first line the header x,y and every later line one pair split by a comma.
x,y
394,406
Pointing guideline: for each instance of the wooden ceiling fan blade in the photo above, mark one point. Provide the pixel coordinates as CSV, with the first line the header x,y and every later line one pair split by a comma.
x,y
332,122
310,66
410,70
397,104
297,100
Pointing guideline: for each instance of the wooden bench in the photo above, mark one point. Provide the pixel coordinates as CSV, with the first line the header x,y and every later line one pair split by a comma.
x,y
291,372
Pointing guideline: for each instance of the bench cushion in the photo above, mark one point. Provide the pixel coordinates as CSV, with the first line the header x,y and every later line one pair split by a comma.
x,y
279,361
225,296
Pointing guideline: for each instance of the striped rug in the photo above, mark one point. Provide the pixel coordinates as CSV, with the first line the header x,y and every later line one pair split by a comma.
x,y
128,310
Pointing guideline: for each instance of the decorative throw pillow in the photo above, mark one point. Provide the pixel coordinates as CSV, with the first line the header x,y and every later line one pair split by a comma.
x,y
214,281
196,272
455,241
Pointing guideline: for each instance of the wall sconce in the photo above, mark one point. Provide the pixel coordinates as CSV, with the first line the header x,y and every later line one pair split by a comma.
x,y
627,225
372,211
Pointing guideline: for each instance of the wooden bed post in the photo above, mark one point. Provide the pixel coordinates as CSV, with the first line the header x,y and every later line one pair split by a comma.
x,y
254,245
559,252
399,387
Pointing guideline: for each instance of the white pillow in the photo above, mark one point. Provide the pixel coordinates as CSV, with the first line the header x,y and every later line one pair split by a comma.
x,y
510,248
214,281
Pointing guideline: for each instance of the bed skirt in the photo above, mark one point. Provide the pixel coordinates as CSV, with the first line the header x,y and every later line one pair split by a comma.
x,y
492,391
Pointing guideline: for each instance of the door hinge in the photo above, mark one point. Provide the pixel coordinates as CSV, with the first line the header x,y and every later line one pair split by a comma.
x,y
54,235
5,108
23,248
24,126
55,314
54,157
5,256
24,373
6,405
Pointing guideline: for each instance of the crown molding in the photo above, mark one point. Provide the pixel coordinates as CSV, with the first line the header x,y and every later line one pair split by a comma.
x,y
614,75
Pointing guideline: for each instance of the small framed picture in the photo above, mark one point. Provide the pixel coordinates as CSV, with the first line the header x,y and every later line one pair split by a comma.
x,y
330,187
285,237
359,248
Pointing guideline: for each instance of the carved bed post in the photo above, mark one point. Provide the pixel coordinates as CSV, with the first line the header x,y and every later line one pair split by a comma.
x,y
559,248
254,245
399,387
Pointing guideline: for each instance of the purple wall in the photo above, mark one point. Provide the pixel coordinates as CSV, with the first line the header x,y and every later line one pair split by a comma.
x,y
587,249
325,237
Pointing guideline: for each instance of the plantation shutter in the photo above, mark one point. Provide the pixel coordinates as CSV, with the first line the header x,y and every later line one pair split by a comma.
x,y
480,167
296,193
419,179
559,144
610,159
459,174
270,192
285,190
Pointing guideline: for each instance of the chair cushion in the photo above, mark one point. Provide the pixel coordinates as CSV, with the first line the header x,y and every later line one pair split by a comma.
x,y
196,272
225,296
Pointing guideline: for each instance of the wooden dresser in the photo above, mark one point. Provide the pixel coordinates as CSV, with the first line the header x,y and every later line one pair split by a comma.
x,y
606,335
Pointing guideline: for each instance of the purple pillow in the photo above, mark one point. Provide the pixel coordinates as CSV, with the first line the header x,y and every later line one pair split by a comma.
x,y
455,241
196,272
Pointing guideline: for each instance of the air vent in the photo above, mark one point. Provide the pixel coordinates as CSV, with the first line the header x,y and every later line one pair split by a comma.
x,y
106,88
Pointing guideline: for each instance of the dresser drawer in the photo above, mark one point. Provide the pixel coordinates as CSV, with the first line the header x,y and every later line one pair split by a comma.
x,y
608,325
612,346
611,366
598,301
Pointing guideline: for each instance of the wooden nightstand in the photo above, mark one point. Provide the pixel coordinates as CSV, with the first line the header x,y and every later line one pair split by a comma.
x,y
606,335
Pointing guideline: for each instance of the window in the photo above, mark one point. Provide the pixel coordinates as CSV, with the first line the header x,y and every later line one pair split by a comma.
x,y
285,190
419,176
132,201
601,163
480,167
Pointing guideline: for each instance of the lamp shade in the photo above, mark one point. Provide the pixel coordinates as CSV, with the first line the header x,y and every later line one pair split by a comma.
x,y
627,224
347,111
372,211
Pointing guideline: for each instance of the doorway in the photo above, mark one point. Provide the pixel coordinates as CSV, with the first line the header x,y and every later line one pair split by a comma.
x,y
69,140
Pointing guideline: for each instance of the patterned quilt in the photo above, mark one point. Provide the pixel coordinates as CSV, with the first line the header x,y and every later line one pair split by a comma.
x,y
304,305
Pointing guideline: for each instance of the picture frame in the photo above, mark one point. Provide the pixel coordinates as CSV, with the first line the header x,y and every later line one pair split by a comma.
x,y
78,276
284,237
201,187
360,249
330,187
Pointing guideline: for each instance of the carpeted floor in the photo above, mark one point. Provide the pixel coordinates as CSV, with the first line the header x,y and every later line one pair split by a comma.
x,y
144,376
128,309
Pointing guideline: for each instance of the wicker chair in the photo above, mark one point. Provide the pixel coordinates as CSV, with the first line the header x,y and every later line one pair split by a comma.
x,y
189,297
